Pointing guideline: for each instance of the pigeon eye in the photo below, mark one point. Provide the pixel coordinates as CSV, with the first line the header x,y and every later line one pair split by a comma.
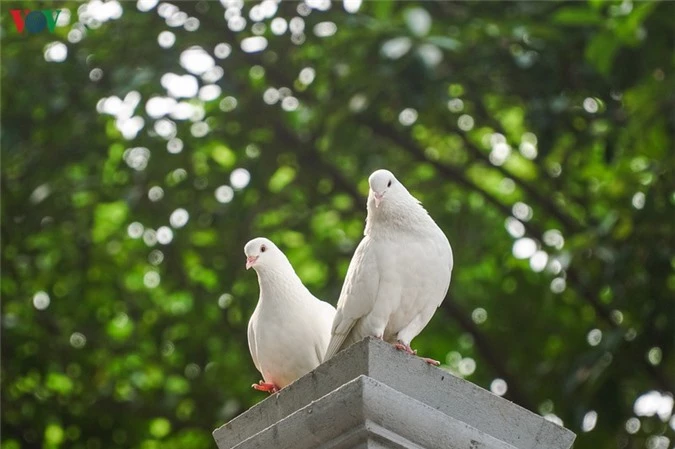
x,y
263,248
389,183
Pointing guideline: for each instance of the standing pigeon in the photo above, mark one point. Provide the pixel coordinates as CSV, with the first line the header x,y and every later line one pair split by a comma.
x,y
290,328
400,272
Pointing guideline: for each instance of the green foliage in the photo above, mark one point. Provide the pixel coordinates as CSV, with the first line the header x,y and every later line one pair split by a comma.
x,y
539,135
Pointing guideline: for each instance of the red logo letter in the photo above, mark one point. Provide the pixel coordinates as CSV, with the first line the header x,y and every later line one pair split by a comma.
x,y
18,20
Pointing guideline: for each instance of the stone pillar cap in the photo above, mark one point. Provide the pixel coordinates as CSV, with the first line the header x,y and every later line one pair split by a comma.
x,y
373,396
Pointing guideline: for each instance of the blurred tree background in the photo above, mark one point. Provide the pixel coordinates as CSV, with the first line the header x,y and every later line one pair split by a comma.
x,y
144,143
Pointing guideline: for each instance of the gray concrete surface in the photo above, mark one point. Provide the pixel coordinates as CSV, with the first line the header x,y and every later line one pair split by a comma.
x,y
373,396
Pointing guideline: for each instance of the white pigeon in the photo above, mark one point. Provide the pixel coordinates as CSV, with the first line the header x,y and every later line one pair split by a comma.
x,y
290,328
400,272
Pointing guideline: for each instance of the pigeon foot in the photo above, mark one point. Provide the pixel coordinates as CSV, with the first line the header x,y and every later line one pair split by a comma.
x,y
431,361
406,348
265,386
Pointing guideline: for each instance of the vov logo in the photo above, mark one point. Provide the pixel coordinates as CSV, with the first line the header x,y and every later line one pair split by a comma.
x,y
34,21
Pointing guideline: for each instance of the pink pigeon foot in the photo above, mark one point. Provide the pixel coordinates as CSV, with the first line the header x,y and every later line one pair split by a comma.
x,y
406,348
266,386
431,361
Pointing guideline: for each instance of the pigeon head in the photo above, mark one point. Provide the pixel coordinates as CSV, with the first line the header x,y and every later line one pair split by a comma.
x,y
383,185
261,252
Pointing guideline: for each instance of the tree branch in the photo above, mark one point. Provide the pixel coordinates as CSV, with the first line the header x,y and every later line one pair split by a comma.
x,y
313,157
534,194
454,174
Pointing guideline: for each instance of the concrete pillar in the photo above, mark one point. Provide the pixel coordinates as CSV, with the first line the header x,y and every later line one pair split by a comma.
x,y
373,396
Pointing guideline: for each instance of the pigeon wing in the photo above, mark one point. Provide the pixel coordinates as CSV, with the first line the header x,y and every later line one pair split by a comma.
x,y
358,295
251,341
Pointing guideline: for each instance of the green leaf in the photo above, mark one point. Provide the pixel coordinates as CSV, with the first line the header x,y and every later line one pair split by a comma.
x,y
83,198
11,444
59,383
120,328
179,303
627,28
577,16
601,50
224,156
160,427
281,178
382,10
54,434
177,385
204,238
108,218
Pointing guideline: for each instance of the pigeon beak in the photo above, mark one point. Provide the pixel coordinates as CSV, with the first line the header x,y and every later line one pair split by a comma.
x,y
250,260
378,198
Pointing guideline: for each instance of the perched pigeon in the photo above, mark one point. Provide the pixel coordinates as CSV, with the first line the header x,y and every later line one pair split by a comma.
x,y
289,330
399,274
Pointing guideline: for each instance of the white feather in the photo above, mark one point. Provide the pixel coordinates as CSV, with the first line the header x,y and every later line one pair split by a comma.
x,y
400,272
289,330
